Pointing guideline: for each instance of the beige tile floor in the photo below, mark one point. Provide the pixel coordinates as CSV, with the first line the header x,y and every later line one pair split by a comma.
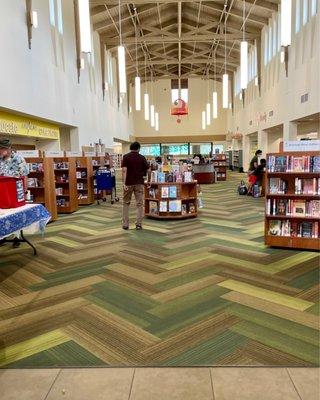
x,y
161,384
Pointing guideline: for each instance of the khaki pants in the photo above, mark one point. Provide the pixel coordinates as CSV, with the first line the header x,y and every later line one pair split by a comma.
x,y
138,191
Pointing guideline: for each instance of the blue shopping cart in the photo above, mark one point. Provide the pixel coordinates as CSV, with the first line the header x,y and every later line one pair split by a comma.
x,y
105,185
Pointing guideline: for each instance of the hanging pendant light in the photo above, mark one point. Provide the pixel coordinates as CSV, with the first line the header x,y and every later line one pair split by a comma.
x,y
214,105
203,120
146,95
286,11
84,26
208,114
225,77
137,81
208,109
137,86
146,107
156,115
215,94
244,54
152,108
121,61
152,116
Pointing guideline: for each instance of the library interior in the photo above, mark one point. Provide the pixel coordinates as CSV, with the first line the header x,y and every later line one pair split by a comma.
x,y
159,199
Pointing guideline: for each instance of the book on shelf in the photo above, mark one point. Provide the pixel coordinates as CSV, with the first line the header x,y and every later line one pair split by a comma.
x,y
80,185
153,207
175,206
173,192
62,203
33,182
153,193
59,191
192,208
165,191
163,206
187,176
35,167
305,229
154,176
299,208
293,207
161,177
307,186
184,209
61,165
290,163
277,186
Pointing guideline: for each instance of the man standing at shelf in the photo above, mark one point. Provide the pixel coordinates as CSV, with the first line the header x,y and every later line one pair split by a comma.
x,y
254,163
12,164
134,169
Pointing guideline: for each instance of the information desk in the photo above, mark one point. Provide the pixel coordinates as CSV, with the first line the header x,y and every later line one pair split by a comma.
x,y
204,173
168,200
28,219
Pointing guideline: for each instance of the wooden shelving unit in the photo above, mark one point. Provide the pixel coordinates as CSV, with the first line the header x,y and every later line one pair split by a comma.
x,y
237,159
220,166
179,196
40,183
84,175
292,202
96,162
116,160
65,184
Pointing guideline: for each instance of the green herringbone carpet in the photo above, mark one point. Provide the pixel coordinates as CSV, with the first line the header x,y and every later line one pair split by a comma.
x,y
196,292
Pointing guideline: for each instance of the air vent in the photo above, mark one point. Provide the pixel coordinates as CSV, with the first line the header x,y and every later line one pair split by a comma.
x,y
250,123
271,113
305,98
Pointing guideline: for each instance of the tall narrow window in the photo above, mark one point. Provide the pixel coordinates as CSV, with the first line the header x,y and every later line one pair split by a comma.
x,y
266,46
270,43
52,13
274,38
59,16
279,32
313,7
305,16
109,69
298,15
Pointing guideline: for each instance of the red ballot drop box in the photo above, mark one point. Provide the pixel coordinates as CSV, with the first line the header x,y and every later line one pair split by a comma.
x,y
12,192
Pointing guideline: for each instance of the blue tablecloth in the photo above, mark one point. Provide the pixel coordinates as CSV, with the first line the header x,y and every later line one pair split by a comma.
x,y
31,218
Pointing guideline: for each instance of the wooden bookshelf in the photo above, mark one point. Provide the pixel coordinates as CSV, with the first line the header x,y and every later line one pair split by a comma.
x,y
40,183
96,162
220,166
185,193
84,175
292,201
65,184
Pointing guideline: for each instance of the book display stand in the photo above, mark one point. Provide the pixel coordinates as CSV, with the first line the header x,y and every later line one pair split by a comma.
x,y
171,200
40,184
65,184
84,175
293,200
220,166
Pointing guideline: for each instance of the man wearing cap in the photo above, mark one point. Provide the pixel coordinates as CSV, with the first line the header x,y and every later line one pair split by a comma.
x,y
12,164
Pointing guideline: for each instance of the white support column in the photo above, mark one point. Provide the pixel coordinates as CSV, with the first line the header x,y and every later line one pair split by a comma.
x,y
246,152
263,142
290,130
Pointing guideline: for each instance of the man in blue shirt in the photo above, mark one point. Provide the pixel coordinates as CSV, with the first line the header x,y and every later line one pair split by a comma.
x,y
12,164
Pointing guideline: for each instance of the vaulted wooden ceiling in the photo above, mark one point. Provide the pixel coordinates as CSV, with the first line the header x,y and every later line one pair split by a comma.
x,y
180,38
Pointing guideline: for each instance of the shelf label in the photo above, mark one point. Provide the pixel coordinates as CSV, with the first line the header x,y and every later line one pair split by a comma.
x,y
301,145
73,154
89,154
29,153
54,153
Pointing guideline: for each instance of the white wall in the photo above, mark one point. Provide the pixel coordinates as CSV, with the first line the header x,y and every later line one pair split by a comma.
x,y
42,82
191,124
280,94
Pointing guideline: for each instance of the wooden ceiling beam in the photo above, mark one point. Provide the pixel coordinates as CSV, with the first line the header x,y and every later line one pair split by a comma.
x,y
176,39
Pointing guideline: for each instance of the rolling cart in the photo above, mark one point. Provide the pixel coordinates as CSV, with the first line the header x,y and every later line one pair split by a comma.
x,y
106,185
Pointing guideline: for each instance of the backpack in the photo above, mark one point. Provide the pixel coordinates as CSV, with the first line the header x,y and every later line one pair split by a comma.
x,y
242,189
